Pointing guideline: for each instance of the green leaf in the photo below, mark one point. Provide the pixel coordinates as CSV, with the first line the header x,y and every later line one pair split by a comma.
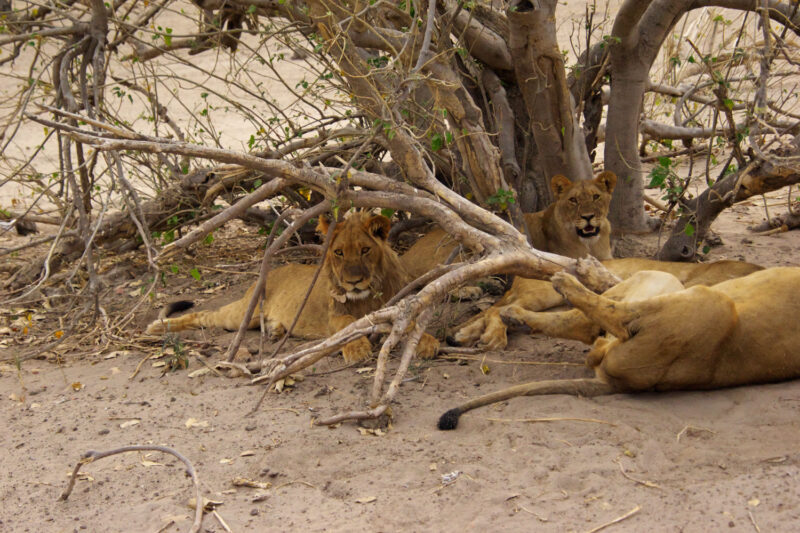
x,y
209,238
689,229
437,141
706,249
195,274
173,269
387,212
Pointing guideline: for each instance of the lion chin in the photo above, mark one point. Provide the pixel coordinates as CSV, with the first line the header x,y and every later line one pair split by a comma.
x,y
357,295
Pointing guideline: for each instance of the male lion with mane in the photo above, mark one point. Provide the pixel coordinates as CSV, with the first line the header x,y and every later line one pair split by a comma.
x,y
360,273
737,332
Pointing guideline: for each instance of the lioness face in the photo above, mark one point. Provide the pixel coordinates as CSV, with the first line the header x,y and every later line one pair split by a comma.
x,y
584,203
355,254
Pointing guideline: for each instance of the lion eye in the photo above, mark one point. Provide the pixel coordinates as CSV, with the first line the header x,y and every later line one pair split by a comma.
x,y
573,201
338,252
596,197
365,250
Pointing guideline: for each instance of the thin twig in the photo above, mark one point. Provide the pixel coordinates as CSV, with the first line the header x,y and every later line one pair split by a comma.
x,y
616,520
93,455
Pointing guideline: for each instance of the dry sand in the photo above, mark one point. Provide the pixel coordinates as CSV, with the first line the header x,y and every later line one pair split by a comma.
x,y
694,461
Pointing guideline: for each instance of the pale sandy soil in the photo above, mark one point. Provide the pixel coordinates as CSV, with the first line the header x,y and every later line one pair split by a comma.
x,y
694,461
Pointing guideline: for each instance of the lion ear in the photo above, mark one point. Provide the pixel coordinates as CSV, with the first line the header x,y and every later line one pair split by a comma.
x,y
378,226
323,224
607,180
559,184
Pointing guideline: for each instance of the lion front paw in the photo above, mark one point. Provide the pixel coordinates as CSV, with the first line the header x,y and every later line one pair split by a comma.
x,y
357,350
428,347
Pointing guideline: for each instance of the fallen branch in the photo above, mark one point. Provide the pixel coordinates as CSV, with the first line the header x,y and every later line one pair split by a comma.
x,y
616,520
91,456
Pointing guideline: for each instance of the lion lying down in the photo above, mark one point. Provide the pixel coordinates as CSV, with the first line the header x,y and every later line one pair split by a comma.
x,y
360,273
488,330
737,332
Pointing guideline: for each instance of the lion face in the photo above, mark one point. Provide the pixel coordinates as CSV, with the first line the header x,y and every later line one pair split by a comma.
x,y
584,204
358,256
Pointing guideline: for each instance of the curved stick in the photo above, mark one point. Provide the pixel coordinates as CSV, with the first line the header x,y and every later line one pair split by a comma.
x,y
93,455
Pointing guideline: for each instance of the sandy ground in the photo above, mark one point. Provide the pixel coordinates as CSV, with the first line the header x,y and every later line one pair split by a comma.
x,y
698,461
694,461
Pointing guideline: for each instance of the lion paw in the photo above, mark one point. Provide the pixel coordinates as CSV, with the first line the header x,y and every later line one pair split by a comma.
x,y
565,283
494,338
428,347
468,334
513,315
468,293
357,350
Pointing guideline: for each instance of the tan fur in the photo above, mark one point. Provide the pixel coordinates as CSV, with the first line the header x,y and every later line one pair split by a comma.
x,y
360,273
488,329
738,332
431,250
576,223
555,229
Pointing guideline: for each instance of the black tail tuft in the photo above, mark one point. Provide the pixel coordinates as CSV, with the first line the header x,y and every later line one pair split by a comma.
x,y
451,341
449,420
177,307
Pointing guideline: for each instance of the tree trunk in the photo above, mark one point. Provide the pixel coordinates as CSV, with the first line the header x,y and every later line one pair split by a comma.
x,y
757,178
540,73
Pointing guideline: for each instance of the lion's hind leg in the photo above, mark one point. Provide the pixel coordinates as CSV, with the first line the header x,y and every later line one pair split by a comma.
x,y
610,315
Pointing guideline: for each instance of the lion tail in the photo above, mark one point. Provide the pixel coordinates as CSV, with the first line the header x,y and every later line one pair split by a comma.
x,y
176,307
576,387
227,317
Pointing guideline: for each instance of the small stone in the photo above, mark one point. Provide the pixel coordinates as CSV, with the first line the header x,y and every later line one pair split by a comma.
x,y
104,431
253,512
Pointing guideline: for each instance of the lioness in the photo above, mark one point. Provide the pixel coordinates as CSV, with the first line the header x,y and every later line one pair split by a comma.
x,y
737,332
488,329
360,273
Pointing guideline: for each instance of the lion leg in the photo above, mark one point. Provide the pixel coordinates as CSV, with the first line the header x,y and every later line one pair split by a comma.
x,y
494,336
353,351
676,343
428,347
608,314
572,324
577,387
469,332
488,328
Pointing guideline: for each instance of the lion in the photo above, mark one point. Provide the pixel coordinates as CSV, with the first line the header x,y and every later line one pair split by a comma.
x,y
738,332
488,329
576,223
360,273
